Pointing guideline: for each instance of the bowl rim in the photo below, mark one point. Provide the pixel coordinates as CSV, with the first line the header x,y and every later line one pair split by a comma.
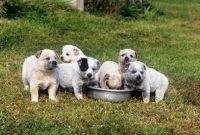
x,y
109,90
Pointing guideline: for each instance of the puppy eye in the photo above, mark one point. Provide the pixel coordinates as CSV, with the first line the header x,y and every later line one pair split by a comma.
x,y
141,72
47,58
131,56
67,54
133,72
93,69
122,55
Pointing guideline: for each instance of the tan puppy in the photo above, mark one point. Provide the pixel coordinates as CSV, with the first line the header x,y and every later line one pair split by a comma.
x,y
71,54
125,56
39,72
109,76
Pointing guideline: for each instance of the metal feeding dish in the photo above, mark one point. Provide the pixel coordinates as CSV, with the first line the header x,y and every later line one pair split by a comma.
x,y
108,94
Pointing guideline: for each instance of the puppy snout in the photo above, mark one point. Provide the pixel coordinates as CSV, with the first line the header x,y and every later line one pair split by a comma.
x,y
138,77
54,63
126,59
89,75
61,57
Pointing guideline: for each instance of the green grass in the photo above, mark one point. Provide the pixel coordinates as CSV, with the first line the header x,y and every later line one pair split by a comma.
x,y
167,42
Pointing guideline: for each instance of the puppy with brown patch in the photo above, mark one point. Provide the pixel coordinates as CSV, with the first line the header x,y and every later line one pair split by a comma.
x,y
109,76
39,72
71,54
125,56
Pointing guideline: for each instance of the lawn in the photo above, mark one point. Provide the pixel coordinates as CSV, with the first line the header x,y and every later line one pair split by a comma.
x,y
167,39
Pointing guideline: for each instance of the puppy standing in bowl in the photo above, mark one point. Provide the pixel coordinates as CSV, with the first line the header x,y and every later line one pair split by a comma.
x,y
39,72
71,54
139,77
125,56
109,76
74,75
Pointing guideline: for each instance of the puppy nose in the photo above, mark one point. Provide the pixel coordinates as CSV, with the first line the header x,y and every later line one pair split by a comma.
x,y
126,58
89,75
138,77
54,63
61,57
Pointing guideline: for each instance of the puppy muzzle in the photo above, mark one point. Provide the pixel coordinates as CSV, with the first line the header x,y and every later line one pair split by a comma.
x,y
51,65
126,59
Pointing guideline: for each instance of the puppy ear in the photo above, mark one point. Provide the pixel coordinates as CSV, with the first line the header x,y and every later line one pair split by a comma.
x,y
144,66
83,64
63,46
136,55
106,77
104,83
127,65
38,53
76,51
98,64
57,56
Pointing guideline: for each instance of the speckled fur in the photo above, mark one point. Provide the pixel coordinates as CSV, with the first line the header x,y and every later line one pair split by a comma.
x,y
71,76
139,77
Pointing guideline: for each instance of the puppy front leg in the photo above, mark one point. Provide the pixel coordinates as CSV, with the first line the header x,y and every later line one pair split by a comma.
x,y
78,92
52,92
34,93
127,86
146,94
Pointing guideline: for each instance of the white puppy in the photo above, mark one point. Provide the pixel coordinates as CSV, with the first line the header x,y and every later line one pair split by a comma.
x,y
125,56
39,73
109,76
139,77
71,54
74,75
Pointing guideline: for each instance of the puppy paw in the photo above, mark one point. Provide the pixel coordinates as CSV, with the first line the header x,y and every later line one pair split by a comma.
x,y
26,87
158,99
54,99
79,96
146,100
34,99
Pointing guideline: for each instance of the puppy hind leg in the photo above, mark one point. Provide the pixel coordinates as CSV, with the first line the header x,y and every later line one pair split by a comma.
x,y
52,92
162,89
24,80
159,95
26,84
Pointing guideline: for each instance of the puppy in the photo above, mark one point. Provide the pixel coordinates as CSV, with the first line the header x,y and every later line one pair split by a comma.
x,y
125,56
109,76
74,75
139,77
71,54
39,72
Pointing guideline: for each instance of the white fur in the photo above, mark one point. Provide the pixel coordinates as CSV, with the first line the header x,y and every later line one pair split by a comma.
x,y
36,74
109,76
71,54
138,76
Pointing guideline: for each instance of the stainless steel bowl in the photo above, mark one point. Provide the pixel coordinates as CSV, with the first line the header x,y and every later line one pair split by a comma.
x,y
108,94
